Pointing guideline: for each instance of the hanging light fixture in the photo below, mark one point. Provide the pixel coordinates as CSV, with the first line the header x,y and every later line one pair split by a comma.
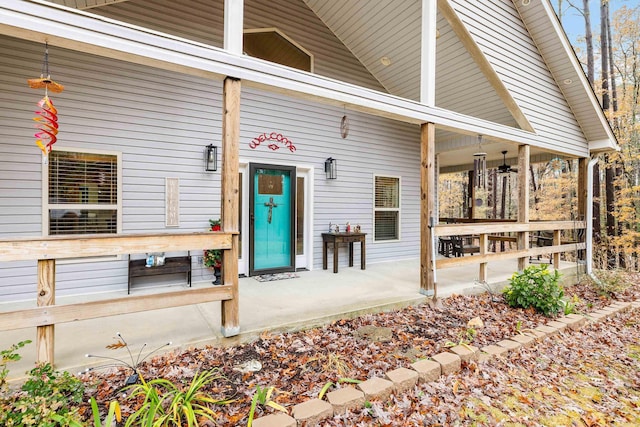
x,y
480,166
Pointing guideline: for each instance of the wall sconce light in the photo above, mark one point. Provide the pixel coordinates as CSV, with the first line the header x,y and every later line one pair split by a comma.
x,y
331,168
211,158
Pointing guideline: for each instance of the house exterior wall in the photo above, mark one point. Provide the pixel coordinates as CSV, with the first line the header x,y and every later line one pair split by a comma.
x,y
161,121
500,32
202,21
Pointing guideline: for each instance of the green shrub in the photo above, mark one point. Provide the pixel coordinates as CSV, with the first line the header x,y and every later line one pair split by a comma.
x,y
535,287
7,356
48,399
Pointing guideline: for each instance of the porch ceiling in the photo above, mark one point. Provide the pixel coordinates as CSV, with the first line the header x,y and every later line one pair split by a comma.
x,y
386,37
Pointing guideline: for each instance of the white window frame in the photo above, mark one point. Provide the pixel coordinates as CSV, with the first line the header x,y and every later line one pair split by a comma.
x,y
398,209
46,206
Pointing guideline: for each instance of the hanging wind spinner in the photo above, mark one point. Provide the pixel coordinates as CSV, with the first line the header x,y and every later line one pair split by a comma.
x,y
47,116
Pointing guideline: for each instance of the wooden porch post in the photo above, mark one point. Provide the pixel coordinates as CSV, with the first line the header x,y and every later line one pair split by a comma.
x,y
471,195
523,201
230,204
427,211
583,169
45,335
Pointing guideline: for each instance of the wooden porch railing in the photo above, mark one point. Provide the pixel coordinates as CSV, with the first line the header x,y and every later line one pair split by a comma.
x,y
47,250
524,250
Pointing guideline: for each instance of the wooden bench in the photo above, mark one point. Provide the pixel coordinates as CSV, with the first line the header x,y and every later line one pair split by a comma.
x,y
172,265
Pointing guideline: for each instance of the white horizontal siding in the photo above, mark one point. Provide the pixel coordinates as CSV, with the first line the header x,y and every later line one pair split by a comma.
x,y
460,84
203,21
555,47
161,122
499,31
373,145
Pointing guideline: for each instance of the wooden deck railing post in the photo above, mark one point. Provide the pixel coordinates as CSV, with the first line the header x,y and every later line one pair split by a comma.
x,y
230,318
556,255
45,335
484,245
523,201
427,206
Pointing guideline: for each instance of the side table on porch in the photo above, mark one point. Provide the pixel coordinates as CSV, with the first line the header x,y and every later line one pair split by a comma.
x,y
336,239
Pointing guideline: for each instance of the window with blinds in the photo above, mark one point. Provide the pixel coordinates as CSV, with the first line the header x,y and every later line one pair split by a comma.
x,y
82,193
386,208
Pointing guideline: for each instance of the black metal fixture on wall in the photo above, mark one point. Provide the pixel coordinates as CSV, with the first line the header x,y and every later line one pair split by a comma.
x,y
331,168
211,158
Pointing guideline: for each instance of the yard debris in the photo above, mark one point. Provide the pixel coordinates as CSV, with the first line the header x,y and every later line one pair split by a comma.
x,y
566,379
475,323
248,366
374,333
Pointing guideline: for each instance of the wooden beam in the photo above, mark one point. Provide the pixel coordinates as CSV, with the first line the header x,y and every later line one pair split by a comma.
x,y
427,209
505,227
583,170
583,164
50,315
556,242
478,259
483,63
484,246
230,319
57,247
471,195
523,201
45,335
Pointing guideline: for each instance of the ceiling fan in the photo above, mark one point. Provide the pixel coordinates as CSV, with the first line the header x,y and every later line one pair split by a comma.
x,y
504,167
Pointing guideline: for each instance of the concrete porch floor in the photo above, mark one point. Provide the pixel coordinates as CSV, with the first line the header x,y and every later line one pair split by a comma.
x,y
314,298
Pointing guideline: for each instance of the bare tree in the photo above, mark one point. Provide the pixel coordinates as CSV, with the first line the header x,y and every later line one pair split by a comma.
x,y
588,34
596,207
588,39
610,170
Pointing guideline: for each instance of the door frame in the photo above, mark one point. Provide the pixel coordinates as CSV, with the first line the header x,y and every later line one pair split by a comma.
x,y
302,169
251,212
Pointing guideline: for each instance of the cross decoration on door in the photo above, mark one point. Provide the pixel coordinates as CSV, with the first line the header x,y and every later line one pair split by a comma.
x,y
271,205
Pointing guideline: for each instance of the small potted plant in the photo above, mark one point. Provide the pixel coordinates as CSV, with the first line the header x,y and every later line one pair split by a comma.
x,y
213,257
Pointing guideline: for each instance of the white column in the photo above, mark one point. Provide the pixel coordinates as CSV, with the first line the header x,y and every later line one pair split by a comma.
x,y
233,25
428,53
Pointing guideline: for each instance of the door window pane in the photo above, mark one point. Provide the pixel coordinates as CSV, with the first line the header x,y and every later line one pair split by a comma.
x,y
300,216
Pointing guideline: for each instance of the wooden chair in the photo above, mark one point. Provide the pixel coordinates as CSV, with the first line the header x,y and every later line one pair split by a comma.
x,y
541,239
459,247
444,246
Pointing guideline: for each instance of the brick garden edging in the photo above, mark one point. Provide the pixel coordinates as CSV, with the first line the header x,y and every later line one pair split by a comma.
x,y
339,401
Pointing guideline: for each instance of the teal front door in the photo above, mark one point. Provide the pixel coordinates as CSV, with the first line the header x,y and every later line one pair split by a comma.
x,y
271,216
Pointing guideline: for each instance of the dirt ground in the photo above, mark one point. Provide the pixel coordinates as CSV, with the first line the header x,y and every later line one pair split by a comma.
x,y
589,377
